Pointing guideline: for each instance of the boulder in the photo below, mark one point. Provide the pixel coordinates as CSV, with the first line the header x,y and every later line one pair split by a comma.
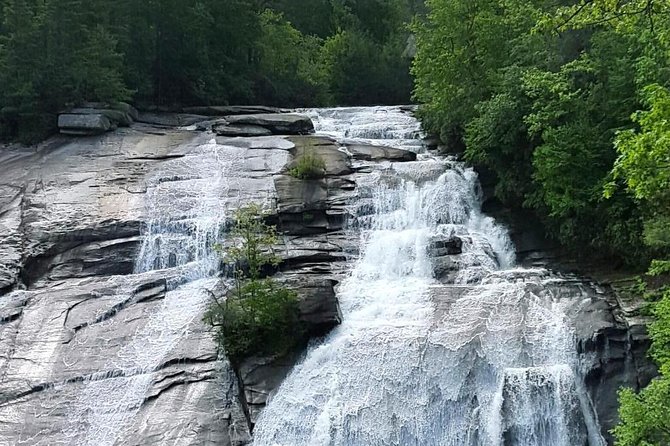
x,y
445,246
319,307
120,106
83,124
245,130
369,152
117,117
277,123
336,161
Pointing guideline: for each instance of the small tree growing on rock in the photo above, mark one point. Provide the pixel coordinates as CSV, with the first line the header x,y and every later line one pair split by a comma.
x,y
259,316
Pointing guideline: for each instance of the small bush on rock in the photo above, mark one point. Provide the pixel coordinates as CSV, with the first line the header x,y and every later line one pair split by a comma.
x,y
309,166
262,319
259,316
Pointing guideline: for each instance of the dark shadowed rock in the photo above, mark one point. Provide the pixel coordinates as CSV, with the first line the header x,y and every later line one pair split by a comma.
x,y
368,152
277,123
443,246
319,308
224,129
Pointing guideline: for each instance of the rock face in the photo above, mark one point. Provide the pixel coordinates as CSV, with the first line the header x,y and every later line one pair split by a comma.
x,y
83,124
73,217
277,123
375,153
96,118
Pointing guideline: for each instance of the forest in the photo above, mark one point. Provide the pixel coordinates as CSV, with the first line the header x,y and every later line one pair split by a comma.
x,y
58,53
568,104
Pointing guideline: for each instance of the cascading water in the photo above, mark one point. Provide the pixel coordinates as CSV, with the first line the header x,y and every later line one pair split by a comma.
x,y
186,202
487,360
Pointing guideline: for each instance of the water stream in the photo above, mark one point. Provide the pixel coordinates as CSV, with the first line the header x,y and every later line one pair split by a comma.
x,y
185,203
486,356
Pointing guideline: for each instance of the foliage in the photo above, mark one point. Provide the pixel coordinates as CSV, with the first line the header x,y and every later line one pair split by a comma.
x,y
644,161
58,53
309,166
254,241
290,64
259,319
540,105
259,316
568,103
645,417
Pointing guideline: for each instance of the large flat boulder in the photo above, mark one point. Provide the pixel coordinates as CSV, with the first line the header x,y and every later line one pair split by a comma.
x,y
277,123
118,117
83,124
369,152
93,118
241,130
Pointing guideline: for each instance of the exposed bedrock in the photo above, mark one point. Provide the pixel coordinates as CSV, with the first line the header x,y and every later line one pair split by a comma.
x,y
72,216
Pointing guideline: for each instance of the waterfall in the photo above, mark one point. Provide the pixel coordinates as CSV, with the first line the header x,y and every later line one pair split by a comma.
x,y
186,202
486,356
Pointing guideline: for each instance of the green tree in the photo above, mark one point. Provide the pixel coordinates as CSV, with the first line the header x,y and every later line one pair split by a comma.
x,y
259,316
645,416
290,69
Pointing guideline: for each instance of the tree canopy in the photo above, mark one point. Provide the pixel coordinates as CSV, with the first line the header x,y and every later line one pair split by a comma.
x,y
59,53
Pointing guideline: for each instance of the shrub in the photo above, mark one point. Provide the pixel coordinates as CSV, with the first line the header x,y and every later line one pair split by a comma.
x,y
260,319
309,166
259,316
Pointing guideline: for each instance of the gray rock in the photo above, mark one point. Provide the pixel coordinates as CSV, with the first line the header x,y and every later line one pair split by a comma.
x,y
369,152
445,246
83,124
121,106
335,160
169,119
277,123
223,129
118,117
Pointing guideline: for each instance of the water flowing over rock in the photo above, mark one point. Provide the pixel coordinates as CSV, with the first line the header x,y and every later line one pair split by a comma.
x,y
107,264
444,341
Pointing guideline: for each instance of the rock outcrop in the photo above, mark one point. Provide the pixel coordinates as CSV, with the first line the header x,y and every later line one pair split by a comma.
x,y
72,217
368,152
96,118
277,123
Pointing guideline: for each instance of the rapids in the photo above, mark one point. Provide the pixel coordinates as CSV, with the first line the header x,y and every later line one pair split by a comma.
x,y
485,357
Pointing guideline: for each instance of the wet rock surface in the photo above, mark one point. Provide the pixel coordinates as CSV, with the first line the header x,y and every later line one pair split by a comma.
x,y
73,214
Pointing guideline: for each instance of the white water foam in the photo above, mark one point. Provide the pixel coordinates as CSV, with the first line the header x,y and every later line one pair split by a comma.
x,y
488,361
184,200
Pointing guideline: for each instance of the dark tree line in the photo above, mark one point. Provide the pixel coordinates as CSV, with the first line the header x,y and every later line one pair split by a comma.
x,y
59,53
